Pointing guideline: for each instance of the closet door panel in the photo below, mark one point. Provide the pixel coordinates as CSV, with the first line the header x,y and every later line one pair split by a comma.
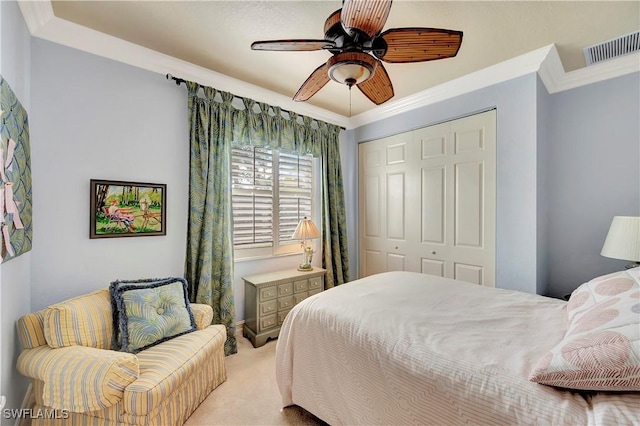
x,y
468,205
427,201
395,203
433,204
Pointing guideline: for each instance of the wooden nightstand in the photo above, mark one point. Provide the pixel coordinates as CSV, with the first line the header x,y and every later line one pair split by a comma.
x,y
269,297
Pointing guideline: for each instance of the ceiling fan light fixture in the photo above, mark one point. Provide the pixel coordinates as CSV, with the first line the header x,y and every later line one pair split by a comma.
x,y
351,67
353,36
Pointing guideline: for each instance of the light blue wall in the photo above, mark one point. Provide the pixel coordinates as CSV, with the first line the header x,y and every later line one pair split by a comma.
x,y
567,163
542,220
97,118
516,204
594,174
94,118
15,275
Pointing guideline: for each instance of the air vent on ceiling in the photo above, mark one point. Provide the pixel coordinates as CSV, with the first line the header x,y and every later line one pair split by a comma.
x,y
613,48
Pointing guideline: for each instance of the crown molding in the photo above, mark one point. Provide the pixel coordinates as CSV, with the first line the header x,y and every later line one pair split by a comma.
x,y
556,80
512,68
42,23
36,14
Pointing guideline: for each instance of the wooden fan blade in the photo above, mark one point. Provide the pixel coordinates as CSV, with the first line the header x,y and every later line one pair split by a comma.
x,y
420,44
315,82
378,88
292,45
368,16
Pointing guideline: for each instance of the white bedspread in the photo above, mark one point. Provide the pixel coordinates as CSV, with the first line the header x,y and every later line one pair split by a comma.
x,y
404,348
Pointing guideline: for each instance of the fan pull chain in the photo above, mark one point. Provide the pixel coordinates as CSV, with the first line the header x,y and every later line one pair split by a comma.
x,y
350,101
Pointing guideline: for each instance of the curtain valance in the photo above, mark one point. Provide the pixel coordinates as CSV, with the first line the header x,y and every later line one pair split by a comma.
x,y
251,123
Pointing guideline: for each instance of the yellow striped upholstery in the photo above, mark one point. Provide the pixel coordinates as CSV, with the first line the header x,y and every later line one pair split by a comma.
x,y
202,314
164,367
93,378
175,407
82,321
105,416
31,330
62,355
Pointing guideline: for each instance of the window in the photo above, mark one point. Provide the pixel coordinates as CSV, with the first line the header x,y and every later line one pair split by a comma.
x,y
271,191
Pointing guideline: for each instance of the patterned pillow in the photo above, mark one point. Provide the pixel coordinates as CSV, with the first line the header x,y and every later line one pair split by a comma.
x,y
81,321
601,348
149,312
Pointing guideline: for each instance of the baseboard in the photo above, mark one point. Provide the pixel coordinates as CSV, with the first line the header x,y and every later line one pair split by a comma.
x,y
27,402
239,328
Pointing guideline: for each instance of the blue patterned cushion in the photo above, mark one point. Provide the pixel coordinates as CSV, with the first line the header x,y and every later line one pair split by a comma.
x,y
148,312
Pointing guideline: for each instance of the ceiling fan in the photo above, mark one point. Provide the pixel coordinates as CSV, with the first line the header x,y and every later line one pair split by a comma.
x,y
353,35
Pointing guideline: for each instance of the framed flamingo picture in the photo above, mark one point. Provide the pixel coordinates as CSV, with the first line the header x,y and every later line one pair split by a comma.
x,y
127,209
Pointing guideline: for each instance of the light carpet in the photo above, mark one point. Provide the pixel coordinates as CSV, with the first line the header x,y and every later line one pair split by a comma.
x,y
250,394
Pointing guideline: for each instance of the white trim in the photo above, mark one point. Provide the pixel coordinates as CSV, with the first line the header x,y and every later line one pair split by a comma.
x,y
240,328
42,23
516,67
557,80
36,14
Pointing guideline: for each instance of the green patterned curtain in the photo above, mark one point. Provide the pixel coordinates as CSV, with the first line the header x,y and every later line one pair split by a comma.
x,y
219,120
334,222
209,263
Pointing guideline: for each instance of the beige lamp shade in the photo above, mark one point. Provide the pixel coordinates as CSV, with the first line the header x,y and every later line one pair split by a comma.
x,y
623,239
305,230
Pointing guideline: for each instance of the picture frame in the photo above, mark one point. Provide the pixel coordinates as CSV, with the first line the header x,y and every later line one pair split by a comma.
x,y
127,209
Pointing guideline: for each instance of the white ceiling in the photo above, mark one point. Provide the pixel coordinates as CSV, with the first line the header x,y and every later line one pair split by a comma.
x,y
217,35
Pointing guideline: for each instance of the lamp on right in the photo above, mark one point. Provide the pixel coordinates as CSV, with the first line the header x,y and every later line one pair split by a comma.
x,y
623,240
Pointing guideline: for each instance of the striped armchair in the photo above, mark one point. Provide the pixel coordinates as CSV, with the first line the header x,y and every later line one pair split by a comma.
x,y
67,352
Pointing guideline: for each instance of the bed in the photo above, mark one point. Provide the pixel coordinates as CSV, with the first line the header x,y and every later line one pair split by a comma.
x,y
407,348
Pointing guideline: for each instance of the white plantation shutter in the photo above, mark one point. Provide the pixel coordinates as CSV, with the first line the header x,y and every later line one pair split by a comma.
x,y
271,192
295,178
252,196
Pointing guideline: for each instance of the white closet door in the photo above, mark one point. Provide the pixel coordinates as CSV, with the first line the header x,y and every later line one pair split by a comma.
x,y
383,204
427,201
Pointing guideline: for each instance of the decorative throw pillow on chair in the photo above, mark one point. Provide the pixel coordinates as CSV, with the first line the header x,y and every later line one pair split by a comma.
x,y
149,311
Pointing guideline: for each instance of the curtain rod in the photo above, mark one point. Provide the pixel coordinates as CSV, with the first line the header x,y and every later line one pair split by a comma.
x,y
176,79
179,81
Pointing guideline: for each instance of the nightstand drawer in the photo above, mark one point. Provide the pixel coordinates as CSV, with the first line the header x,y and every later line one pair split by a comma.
x,y
268,293
268,322
312,292
285,303
281,316
269,307
285,289
302,285
297,298
315,282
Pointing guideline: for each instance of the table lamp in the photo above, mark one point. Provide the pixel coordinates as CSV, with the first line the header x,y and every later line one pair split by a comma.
x,y
623,240
305,231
